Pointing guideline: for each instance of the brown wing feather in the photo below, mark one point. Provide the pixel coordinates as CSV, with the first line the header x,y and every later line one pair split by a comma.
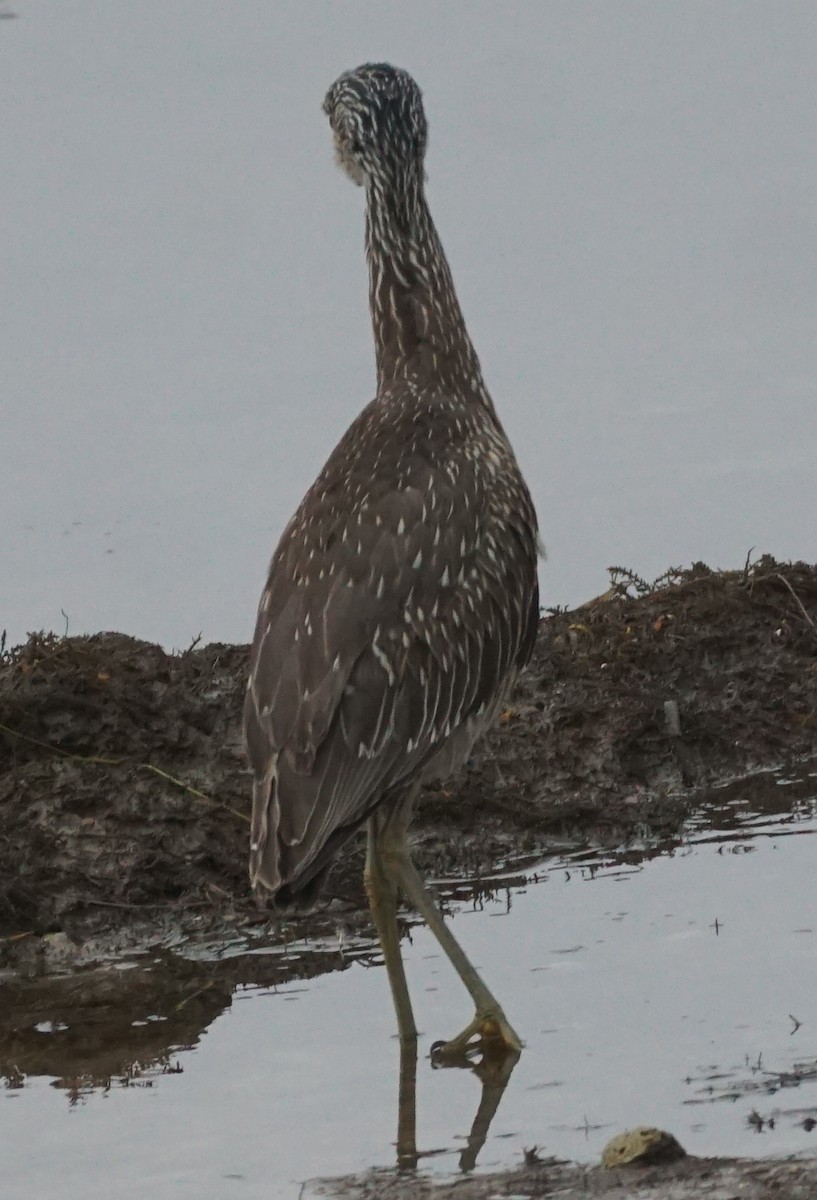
x,y
397,607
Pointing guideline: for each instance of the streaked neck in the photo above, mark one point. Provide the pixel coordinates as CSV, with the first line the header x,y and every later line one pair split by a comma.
x,y
419,331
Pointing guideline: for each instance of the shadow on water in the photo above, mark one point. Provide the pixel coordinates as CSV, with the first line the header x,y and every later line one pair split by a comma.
x,y
128,1024
122,1022
125,1025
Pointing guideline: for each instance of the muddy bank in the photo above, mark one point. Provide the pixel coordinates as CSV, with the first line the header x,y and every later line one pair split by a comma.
x,y
689,1179
90,1020
123,788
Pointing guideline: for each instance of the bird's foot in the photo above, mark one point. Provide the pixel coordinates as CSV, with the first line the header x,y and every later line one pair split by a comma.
x,y
488,1036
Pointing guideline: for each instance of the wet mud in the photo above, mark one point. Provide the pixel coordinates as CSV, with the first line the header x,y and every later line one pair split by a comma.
x,y
689,1179
123,786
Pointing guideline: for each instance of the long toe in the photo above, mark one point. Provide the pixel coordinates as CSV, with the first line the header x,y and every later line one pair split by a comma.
x,y
489,1035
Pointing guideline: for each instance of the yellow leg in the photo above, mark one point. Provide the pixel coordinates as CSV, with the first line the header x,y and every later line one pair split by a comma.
x,y
490,1029
488,1045
381,886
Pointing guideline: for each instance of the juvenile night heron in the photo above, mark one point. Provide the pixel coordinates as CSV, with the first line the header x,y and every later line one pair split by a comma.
x,y
402,598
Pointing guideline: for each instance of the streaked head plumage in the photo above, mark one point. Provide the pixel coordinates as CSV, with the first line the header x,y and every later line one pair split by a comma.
x,y
376,114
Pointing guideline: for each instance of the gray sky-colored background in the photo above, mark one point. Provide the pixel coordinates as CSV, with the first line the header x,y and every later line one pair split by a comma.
x,y
626,192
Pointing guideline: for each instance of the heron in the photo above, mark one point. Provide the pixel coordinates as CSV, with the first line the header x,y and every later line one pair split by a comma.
x,y
402,599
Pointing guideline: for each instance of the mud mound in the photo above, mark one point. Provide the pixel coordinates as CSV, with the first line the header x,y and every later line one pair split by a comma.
x,y
652,690
94,734
123,789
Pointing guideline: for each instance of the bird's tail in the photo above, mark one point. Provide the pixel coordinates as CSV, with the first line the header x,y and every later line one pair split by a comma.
x,y
265,867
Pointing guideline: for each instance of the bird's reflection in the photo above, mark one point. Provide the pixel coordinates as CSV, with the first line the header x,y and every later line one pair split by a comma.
x,y
493,1067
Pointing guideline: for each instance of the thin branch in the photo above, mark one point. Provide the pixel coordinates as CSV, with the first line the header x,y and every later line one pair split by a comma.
x,y
123,762
800,604
24,737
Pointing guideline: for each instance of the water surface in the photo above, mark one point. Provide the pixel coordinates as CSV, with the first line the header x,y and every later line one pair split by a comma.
x,y
666,985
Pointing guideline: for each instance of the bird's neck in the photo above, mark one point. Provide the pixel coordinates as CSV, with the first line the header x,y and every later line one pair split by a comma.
x,y
419,331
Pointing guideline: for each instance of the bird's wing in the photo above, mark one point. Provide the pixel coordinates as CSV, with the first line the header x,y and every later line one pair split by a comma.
x,y
385,625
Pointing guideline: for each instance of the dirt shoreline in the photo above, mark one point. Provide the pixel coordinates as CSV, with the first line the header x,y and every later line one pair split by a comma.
x,y
123,787
689,1179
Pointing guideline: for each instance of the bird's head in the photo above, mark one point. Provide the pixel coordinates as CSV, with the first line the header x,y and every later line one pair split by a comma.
x,y
376,114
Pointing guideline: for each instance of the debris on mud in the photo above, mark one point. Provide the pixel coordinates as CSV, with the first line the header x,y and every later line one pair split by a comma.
x,y
643,1145
688,1179
123,789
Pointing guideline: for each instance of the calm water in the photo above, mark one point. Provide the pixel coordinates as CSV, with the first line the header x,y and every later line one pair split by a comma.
x,y
653,986
628,208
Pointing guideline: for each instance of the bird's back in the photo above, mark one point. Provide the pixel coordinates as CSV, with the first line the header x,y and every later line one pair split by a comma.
x,y
401,602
